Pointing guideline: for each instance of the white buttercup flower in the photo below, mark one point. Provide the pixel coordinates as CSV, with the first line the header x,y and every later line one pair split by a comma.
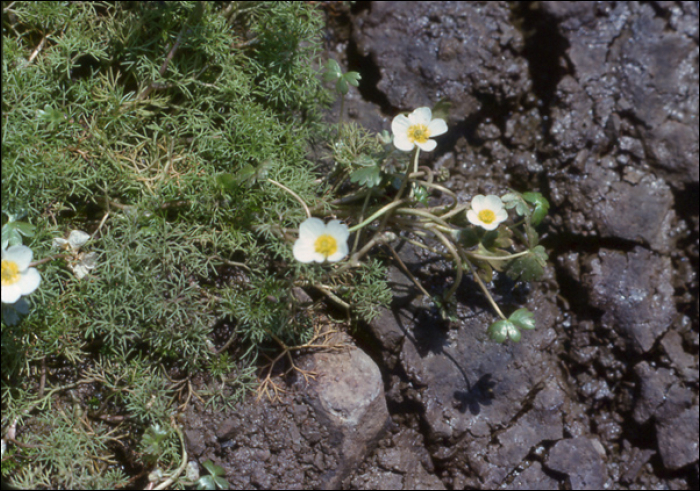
x,y
17,277
416,129
487,211
319,242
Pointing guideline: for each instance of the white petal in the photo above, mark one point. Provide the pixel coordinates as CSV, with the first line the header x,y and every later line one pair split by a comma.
x,y
428,146
478,203
29,282
11,293
89,260
58,242
311,228
400,125
403,143
340,253
422,115
490,226
77,239
304,250
338,230
79,270
20,255
493,203
473,217
437,127
501,215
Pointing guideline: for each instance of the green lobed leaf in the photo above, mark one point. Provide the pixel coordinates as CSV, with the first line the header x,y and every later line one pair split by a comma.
x,y
532,235
442,109
26,229
213,469
12,233
541,206
522,209
485,270
367,176
421,194
526,268
504,239
510,199
523,318
353,78
342,86
333,71
501,238
541,255
501,330
498,331
515,200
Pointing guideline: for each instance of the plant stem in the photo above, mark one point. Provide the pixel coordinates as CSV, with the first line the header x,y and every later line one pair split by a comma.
x,y
340,116
377,214
298,198
497,258
426,214
362,215
408,272
455,211
450,247
415,168
484,289
415,160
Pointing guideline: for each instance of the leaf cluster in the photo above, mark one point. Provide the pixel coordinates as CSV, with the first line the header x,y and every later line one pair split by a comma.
x,y
342,80
153,126
370,291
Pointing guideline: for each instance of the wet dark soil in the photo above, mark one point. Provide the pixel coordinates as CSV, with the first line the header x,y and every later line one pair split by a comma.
x,y
594,104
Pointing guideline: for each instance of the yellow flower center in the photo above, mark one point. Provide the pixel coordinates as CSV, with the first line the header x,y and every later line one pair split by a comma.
x,y
487,216
10,273
325,244
418,133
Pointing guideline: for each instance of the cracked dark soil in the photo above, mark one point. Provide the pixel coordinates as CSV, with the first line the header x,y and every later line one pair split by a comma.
x,y
594,104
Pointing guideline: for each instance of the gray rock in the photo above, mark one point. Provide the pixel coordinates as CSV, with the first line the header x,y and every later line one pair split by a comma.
x,y
654,387
533,478
456,50
581,460
628,61
685,363
635,293
350,399
678,439
403,463
542,423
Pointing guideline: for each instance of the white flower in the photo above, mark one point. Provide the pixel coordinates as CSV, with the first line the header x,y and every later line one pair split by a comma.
x,y
17,277
487,211
75,241
319,242
416,129
82,266
81,262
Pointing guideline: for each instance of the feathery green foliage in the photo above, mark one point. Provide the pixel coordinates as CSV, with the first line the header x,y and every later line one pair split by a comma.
x,y
123,119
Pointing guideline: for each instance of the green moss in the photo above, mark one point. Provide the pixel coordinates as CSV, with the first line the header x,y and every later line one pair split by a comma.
x,y
118,120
